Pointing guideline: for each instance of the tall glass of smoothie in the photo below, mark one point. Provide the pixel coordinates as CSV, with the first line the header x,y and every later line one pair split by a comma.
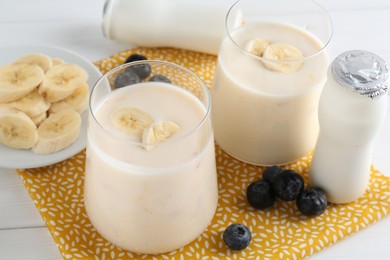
x,y
150,180
271,69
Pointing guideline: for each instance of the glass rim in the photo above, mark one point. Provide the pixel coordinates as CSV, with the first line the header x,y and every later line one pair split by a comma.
x,y
165,63
323,10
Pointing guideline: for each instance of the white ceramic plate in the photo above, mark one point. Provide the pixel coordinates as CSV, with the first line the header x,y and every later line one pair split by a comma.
x,y
21,159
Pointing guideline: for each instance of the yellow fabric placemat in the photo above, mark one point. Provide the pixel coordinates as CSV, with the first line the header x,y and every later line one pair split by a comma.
x,y
278,233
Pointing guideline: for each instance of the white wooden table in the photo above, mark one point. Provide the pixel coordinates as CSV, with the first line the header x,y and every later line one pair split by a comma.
x,y
76,25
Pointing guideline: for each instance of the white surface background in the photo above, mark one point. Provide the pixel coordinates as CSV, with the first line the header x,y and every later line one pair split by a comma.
x,y
75,24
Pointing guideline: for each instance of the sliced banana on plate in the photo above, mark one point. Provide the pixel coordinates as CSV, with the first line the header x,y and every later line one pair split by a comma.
x,y
131,120
17,130
57,132
39,118
57,61
157,133
283,52
39,59
32,104
26,93
17,80
77,101
61,81
257,46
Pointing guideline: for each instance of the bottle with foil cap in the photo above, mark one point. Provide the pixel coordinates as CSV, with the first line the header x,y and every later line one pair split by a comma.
x,y
352,109
190,24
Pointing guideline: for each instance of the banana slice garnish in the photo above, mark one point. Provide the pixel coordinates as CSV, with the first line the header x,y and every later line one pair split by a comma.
x,y
57,132
257,46
32,104
61,81
282,52
77,101
17,130
157,133
39,59
17,80
131,120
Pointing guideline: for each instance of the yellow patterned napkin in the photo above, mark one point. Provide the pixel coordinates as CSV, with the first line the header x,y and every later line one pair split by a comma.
x,y
278,233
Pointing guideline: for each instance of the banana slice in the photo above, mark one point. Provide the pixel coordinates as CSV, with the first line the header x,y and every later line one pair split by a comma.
x,y
57,132
131,120
157,133
32,104
17,130
57,61
77,101
39,118
61,81
39,59
280,52
257,46
17,80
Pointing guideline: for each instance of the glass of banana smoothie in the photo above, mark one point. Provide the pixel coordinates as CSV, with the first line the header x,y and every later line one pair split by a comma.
x,y
150,180
271,69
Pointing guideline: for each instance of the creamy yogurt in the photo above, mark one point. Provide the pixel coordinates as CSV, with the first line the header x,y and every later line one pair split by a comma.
x,y
151,201
261,116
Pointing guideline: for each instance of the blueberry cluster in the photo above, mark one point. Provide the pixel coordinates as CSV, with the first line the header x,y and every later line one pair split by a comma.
x,y
276,183
137,73
286,185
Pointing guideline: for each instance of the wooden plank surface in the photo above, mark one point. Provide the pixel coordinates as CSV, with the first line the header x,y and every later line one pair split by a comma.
x,y
27,243
16,207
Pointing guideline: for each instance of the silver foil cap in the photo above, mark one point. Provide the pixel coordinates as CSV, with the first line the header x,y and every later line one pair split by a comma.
x,y
362,72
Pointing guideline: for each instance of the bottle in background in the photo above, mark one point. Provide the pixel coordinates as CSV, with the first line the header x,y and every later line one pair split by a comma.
x,y
194,25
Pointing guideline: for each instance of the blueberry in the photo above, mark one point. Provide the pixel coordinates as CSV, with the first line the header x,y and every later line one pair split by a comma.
x,y
135,57
260,195
237,237
288,185
270,173
160,78
312,202
125,79
142,70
